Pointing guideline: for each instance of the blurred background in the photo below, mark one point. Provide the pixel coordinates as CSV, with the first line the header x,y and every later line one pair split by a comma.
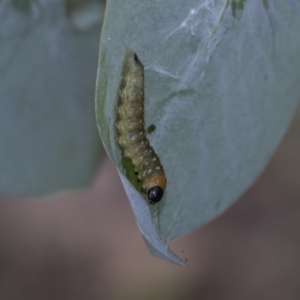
x,y
84,243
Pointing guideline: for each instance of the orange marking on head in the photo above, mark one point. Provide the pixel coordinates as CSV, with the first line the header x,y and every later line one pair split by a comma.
x,y
158,179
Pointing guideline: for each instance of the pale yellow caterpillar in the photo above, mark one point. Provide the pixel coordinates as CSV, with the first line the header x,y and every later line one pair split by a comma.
x,y
131,133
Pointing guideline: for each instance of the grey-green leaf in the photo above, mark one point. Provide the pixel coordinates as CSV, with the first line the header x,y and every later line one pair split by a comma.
x,y
48,135
221,87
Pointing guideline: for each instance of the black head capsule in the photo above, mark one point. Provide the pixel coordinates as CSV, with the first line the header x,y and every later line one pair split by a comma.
x,y
155,194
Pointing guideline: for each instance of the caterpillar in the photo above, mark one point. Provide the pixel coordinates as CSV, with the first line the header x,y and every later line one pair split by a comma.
x,y
131,134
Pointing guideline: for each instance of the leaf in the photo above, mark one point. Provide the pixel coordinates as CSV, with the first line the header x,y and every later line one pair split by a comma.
x,y
48,136
221,87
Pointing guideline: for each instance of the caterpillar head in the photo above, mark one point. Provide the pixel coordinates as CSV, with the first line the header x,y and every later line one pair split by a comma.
x,y
155,186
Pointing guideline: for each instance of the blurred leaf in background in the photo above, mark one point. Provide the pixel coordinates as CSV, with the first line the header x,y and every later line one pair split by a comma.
x,y
48,63
221,87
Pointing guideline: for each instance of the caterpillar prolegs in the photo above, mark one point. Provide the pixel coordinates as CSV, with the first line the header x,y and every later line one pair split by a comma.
x,y
131,132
